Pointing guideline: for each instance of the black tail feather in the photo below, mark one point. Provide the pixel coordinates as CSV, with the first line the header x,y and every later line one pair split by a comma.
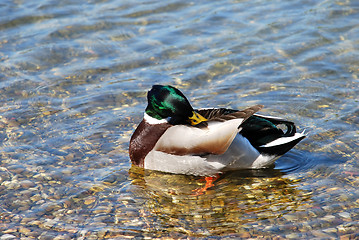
x,y
261,130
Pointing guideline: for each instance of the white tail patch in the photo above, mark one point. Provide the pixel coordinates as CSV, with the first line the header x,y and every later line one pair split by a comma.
x,y
284,140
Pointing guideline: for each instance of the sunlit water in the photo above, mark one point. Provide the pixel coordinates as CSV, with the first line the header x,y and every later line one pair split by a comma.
x,y
74,77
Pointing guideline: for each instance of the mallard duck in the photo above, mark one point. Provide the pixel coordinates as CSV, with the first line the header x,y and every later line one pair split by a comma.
x,y
175,138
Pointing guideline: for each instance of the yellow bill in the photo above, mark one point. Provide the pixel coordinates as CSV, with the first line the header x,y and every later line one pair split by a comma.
x,y
196,118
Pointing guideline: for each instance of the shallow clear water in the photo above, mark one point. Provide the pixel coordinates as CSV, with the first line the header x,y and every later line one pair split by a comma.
x,y
73,83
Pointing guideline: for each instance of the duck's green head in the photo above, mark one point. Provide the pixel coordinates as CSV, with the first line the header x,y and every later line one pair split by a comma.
x,y
167,102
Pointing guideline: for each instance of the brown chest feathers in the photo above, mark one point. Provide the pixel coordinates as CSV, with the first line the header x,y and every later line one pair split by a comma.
x,y
144,139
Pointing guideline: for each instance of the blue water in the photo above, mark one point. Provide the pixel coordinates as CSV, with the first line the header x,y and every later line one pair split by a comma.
x,y
73,83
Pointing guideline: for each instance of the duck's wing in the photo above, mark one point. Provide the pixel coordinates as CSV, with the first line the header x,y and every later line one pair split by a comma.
x,y
225,114
271,135
222,127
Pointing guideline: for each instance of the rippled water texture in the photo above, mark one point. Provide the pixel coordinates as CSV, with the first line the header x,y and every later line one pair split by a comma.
x,y
73,83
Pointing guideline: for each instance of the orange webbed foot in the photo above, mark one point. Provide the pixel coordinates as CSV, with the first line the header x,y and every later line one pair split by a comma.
x,y
209,184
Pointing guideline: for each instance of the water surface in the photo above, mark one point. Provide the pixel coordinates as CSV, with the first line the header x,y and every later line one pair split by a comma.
x,y
73,83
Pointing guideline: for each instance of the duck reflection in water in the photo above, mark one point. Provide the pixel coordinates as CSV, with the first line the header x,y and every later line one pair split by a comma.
x,y
239,198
